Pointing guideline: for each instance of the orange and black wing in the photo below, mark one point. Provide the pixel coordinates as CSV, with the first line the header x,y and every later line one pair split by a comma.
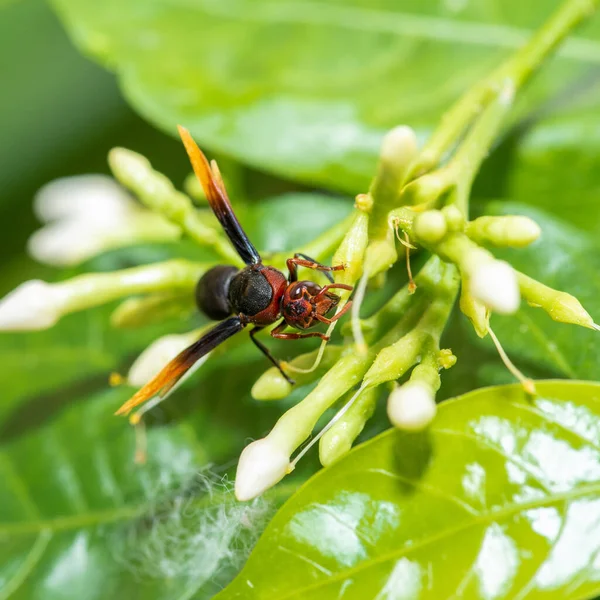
x,y
210,178
182,363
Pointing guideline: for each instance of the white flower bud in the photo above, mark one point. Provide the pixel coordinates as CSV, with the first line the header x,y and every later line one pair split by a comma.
x,y
90,214
94,197
71,241
66,243
399,145
262,464
412,406
495,284
33,305
157,355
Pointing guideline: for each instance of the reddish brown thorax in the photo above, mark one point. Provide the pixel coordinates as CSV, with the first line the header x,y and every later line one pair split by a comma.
x,y
303,301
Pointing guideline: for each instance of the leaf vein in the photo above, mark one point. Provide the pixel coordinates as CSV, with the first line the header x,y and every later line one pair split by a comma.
x,y
419,485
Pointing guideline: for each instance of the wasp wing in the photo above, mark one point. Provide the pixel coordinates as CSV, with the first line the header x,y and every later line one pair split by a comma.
x,y
182,363
212,184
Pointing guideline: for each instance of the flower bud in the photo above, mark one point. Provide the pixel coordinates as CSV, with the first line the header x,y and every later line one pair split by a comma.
x,y
157,355
262,464
381,254
412,407
399,147
272,385
455,220
339,439
446,359
158,193
96,197
511,231
429,227
364,202
90,214
352,249
394,360
33,305
70,242
474,310
153,188
66,243
494,283
140,311
561,306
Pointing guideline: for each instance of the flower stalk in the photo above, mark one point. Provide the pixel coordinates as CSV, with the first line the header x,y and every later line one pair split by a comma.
x,y
422,194
156,191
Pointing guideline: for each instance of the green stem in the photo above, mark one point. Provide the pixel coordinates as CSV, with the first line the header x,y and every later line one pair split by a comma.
x,y
472,152
518,69
86,291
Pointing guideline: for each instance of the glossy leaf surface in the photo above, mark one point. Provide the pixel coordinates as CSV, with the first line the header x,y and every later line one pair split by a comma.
x,y
499,499
307,89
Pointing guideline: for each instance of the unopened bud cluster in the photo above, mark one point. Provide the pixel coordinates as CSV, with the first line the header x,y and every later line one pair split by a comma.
x,y
395,353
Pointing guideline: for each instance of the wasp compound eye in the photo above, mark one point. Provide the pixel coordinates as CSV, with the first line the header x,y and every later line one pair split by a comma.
x,y
297,290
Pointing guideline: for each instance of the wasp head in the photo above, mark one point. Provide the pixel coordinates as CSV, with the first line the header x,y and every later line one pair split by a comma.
x,y
306,303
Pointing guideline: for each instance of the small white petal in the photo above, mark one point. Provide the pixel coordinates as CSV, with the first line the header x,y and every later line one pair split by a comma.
x,y
93,197
157,355
262,464
412,406
66,243
33,305
494,283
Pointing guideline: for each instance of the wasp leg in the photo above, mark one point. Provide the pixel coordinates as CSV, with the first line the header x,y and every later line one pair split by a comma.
x,y
336,316
332,286
268,354
301,260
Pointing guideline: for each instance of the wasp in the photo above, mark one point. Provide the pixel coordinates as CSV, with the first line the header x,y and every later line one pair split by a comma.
x,y
258,295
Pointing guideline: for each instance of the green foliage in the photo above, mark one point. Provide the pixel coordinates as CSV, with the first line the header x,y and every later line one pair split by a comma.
x,y
76,513
275,85
488,503
81,520
303,90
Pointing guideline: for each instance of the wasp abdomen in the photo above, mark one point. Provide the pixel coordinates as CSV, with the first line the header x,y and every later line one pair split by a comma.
x,y
212,291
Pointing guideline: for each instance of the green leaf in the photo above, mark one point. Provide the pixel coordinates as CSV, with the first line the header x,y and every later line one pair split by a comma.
x,y
556,162
565,258
275,85
78,519
499,499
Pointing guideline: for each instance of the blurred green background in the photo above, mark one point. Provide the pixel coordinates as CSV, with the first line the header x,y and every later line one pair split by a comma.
x,y
59,115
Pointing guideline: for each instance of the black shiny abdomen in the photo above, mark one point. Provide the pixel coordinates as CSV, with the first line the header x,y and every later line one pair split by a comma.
x,y
250,292
212,292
